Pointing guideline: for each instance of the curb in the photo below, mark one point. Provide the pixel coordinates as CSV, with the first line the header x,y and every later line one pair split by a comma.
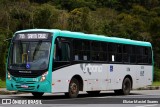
x,y
6,92
149,88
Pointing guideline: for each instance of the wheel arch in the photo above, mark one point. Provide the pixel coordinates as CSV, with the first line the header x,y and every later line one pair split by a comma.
x,y
80,80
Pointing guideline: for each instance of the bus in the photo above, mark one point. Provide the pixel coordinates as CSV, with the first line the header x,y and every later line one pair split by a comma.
x,y
58,61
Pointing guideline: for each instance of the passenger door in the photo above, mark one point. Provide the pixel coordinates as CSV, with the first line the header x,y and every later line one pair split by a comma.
x,y
61,53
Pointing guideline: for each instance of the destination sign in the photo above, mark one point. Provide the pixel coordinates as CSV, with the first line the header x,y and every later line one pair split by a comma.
x,y
29,36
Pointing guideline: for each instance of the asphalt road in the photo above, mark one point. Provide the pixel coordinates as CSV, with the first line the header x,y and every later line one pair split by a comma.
x,y
138,98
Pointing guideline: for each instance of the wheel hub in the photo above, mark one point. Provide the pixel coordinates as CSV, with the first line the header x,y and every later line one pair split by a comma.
x,y
73,88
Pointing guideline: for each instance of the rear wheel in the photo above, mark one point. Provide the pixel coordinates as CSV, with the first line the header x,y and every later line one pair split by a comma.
x,y
126,87
37,94
73,89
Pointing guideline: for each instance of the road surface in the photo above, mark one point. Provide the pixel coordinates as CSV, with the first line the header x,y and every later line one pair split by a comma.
x,y
137,98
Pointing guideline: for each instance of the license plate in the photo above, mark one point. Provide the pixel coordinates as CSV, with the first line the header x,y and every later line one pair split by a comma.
x,y
24,86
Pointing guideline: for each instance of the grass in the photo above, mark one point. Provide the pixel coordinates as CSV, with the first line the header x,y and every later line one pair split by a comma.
x,y
156,83
2,84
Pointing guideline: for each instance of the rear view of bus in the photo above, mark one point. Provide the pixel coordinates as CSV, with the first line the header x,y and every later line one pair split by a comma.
x,y
28,62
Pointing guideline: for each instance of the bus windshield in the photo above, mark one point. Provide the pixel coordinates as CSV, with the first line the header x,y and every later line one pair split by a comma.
x,y
29,55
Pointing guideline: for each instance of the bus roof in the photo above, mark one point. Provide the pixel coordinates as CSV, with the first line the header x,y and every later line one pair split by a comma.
x,y
90,36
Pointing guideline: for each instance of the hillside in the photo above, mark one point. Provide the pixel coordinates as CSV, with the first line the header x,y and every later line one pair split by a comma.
x,y
136,19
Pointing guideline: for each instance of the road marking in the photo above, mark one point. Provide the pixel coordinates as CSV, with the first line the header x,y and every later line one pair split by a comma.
x,y
148,105
102,97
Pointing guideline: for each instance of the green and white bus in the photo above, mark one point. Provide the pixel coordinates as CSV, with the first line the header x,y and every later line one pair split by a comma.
x,y
50,61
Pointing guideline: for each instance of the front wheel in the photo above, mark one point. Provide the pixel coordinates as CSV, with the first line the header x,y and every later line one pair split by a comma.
x,y
37,94
73,89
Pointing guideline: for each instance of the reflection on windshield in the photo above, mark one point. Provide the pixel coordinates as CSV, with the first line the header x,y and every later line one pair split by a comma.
x,y
30,55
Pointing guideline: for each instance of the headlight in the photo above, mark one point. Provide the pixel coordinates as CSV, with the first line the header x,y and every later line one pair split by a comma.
x,y
9,76
43,77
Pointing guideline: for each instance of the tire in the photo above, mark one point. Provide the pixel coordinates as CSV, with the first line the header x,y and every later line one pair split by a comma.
x,y
73,89
126,87
93,92
37,94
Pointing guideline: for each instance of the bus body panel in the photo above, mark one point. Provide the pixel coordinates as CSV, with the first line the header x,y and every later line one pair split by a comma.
x,y
28,85
101,76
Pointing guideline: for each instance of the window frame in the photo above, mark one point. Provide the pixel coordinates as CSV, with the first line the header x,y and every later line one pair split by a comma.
x,y
104,51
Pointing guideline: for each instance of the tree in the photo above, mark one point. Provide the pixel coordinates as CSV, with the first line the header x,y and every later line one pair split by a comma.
x,y
3,54
62,22
73,4
154,30
78,20
45,16
39,1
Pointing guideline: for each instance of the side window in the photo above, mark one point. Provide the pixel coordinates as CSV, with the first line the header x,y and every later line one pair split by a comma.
x,y
77,47
65,51
133,54
139,51
149,55
99,51
119,53
143,55
115,52
129,54
112,48
126,53
86,50
62,50
104,56
81,50
96,48
61,53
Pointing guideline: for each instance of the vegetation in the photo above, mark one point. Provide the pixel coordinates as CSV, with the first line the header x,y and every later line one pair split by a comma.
x,y
2,84
156,74
156,83
136,19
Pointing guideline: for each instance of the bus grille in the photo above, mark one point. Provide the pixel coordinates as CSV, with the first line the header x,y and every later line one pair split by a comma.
x,y
25,75
34,74
30,85
25,89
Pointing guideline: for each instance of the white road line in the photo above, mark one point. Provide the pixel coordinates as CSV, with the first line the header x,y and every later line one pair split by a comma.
x,y
148,105
104,97
78,98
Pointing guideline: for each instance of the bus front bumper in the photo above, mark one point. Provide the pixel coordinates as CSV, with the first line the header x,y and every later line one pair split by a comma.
x,y
28,85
